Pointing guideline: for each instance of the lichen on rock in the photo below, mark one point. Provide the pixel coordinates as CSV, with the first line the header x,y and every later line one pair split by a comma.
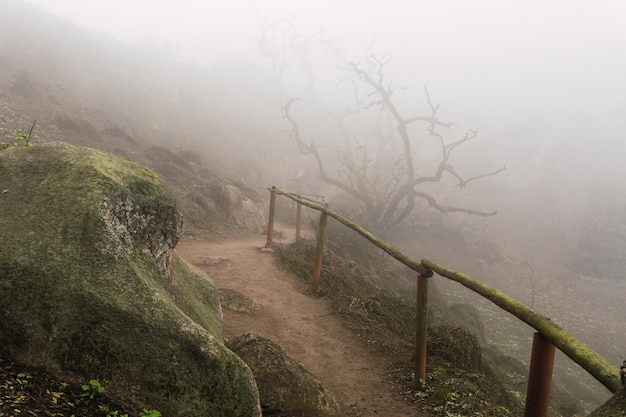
x,y
285,386
91,286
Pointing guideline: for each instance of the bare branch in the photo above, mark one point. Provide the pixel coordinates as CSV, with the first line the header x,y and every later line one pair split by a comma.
x,y
428,119
312,150
452,209
387,191
295,133
30,132
463,184
466,138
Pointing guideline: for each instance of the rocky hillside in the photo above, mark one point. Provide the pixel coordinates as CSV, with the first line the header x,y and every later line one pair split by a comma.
x,y
197,126
88,89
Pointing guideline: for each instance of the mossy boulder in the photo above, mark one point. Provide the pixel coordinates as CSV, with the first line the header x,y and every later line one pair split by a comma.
x,y
285,386
92,288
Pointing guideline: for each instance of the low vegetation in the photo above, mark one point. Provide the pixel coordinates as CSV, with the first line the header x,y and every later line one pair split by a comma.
x,y
375,298
32,392
18,137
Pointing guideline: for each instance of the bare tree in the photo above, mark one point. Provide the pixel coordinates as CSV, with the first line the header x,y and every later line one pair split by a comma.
x,y
388,192
274,40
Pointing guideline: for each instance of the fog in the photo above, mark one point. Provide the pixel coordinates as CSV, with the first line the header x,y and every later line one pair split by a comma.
x,y
527,73
510,60
541,82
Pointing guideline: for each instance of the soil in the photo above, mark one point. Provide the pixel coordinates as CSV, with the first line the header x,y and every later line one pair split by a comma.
x,y
302,324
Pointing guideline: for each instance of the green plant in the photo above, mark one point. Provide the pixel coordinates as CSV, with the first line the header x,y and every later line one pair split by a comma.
x,y
92,389
111,413
453,405
149,413
20,138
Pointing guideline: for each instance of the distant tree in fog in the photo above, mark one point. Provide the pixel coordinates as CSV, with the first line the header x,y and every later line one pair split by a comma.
x,y
385,185
388,189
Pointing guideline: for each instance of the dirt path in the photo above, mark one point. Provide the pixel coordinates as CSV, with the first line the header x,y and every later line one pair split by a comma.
x,y
302,325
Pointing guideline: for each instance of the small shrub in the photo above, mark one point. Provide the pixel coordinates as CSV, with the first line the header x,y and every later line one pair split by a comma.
x,y
149,413
92,389
19,138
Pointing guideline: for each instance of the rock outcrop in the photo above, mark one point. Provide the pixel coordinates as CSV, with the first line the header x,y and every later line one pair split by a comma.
x,y
210,203
92,288
285,386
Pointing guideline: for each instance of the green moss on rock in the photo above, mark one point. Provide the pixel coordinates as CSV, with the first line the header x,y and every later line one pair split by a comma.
x,y
285,386
90,286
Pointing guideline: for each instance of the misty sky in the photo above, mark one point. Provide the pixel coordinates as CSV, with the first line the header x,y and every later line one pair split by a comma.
x,y
557,63
540,42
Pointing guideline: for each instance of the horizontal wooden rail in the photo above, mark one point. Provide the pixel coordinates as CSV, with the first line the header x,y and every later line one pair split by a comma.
x,y
414,265
607,374
596,365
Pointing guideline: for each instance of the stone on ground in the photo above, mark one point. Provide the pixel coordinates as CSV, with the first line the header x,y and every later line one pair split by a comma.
x,y
285,386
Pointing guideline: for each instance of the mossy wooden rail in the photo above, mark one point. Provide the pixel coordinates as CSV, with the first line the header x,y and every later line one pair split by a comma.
x,y
547,330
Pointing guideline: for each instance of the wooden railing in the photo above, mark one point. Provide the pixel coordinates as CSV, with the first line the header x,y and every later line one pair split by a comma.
x,y
548,336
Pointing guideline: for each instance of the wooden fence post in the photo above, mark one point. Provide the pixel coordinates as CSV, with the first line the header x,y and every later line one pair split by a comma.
x,y
270,224
420,330
540,377
319,251
298,219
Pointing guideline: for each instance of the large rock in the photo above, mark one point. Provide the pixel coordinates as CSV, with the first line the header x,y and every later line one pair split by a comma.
x,y
90,287
285,386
